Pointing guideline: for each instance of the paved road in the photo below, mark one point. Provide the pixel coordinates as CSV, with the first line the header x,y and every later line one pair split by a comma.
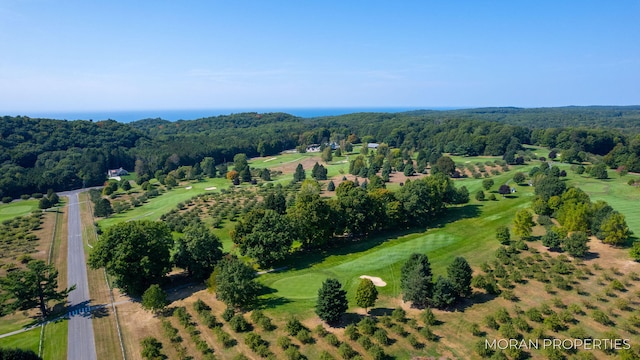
x,y
81,343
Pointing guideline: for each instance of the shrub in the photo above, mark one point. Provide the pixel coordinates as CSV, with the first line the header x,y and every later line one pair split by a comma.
x,y
239,324
399,329
346,351
376,352
224,338
228,314
266,324
381,337
151,348
601,317
332,340
292,353
399,314
490,322
254,341
617,285
293,326
321,331
365,342
304,336
351,332
534,315
428,334
324,355
367,326
413,341
428,317
521,324
475,330
502,315
284,342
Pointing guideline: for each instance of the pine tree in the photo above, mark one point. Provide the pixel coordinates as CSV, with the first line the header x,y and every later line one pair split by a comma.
x,y
459,274
443,293
416,280
299,175
331,186
366,294
332,301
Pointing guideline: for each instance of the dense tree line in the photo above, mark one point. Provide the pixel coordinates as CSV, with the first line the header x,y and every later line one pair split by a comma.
x,y
39,154
267,234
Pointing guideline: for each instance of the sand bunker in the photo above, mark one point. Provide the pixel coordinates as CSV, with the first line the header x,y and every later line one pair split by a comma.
x,y
189,187
375,280
210,188
273,158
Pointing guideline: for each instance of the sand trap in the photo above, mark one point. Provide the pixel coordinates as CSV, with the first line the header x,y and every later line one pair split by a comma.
x,y
210,188
189,187
375,280
273,158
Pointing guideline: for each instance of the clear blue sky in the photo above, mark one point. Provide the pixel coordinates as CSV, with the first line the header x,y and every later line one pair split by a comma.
x,y
68,55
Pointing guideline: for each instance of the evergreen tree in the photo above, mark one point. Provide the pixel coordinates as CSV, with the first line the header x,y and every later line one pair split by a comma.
x,y
480,195
551,240
409,170
416,280
32,287
366,294
503,235
326,154
443,293
276,201
102,208
332,301
299,175
265,174
459,274
331,186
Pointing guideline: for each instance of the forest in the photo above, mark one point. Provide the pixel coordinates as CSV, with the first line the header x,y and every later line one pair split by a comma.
x,y
41,154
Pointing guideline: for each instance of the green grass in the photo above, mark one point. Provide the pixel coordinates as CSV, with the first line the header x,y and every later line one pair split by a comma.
x,y
468,231
17,208
29,340
55,340
157,206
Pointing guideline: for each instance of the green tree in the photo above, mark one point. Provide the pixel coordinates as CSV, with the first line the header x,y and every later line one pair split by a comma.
x,y
102,208
576,244
299,175
444,165
599,171
327,154
208,166
523,223
614,229
487,184
332,301
198,251
444,293
635,251
459,274
551,240
409,170
154,299
234,283
276,201
503,235
311,219
519,177
416,280
331,186
480,195
35,286
135,253
18,354
264,235
366,294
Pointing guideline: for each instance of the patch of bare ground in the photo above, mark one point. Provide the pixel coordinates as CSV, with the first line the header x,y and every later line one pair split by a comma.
x,y
290,167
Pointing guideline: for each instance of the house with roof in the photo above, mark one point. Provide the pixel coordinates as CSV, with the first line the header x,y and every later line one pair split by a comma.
x,y
117,172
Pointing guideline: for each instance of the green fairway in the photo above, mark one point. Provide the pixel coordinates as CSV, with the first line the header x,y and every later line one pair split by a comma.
x,y
55,340
300,287
17,208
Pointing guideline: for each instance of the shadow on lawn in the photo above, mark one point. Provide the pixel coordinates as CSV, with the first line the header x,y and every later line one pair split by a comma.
x,y
350,245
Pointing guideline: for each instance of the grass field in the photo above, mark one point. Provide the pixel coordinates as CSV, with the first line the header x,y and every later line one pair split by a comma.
x,y
55,344
29,340
17,208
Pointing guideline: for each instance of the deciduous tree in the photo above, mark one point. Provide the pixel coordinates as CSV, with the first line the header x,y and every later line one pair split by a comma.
x,y
198,251
135,253
523,223
366,294
154,299
234,282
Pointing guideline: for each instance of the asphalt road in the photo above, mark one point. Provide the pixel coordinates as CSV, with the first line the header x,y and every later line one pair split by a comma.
x,y
81,343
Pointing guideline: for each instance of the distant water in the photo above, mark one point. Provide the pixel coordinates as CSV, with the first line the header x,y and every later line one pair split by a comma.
x,y
173,115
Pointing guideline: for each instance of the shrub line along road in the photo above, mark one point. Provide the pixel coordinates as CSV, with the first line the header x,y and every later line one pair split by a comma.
x,y
81,344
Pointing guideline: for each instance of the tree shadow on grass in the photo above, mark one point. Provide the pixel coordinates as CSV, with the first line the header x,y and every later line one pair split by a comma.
x,y
349,245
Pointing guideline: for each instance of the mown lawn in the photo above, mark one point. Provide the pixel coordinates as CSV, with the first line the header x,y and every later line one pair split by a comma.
x,y
17,208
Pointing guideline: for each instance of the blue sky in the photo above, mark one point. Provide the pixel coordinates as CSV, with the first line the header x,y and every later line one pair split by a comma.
x,y
69,55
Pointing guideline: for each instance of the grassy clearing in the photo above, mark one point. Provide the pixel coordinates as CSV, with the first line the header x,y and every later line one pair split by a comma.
x,y
55,344
17,208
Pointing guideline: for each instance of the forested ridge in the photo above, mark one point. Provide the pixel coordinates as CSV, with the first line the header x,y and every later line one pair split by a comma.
x,y
41,154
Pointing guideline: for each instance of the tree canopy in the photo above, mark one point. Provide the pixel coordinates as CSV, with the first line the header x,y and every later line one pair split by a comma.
x,y
332,301
135,253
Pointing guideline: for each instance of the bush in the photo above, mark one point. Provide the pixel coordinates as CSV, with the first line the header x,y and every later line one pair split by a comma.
x,y
151,348
381,337
228,314
305,336
321,331
332,340
351,332
399,315
292,353
266,324
365,342
376,352
601,317
428,334
346,351
324,355
225,339
428,317
284,342
293,326
239,324
367,326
